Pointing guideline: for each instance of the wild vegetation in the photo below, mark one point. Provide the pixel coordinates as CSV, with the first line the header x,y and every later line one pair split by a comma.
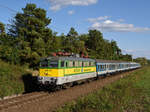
x,y
11,79
130,94
142,60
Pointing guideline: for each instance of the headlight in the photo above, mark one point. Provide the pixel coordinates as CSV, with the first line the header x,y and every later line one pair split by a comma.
x,y
40,78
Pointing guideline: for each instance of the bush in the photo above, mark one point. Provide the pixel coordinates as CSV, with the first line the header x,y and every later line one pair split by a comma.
x,y
11,79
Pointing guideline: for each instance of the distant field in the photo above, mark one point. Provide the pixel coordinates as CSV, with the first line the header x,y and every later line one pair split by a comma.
x,y
130,94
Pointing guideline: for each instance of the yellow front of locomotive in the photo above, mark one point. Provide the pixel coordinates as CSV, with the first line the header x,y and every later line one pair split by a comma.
x,y
49,72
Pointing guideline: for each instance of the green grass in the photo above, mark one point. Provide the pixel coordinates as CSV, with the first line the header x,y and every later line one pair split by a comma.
x,y
11,79
130,94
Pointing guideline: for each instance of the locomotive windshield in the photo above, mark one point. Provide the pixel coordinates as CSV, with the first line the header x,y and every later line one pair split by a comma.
x,y
53,64
44,63
50,63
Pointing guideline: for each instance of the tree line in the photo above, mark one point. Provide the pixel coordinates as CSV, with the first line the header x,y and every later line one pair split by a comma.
x,y
28,38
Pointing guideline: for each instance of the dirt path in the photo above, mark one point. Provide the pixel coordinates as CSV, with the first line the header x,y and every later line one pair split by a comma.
x,y
56,99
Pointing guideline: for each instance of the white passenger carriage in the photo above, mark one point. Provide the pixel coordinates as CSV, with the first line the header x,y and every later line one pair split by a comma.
x,y
104,67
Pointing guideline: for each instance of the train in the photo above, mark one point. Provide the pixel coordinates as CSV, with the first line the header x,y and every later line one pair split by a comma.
x,y
65,71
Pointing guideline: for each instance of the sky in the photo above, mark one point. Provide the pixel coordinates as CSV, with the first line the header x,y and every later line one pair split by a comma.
x,y
125,21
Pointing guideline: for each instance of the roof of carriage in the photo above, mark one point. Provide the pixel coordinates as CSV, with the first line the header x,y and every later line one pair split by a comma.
x,y
85,59
69,58
111,61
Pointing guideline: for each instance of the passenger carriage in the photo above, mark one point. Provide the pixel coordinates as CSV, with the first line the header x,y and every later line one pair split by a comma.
x,y
104,67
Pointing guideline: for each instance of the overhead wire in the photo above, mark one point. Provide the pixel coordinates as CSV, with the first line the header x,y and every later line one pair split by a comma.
x,y
12,10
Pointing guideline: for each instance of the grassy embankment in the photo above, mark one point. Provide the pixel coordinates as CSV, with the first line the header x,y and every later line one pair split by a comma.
x,y
130,94
14,80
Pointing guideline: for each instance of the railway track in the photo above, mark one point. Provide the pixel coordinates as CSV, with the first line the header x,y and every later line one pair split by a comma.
x,y
16,101
46,102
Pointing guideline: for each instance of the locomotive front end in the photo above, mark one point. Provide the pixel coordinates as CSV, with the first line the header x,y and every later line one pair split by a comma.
x,y
48,72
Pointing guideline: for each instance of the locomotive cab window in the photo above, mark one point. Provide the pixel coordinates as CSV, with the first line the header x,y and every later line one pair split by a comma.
x,y
44,63
53,64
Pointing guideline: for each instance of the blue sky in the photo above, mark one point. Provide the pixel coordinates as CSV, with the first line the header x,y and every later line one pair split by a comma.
x,y
125,21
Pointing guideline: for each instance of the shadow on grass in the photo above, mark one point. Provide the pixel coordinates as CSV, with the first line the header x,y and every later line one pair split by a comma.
x,y
30,83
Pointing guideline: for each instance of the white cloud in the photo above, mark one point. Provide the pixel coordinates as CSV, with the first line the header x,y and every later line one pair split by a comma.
x,y
107,25
121,20
71,12
97,19
58,4
138,53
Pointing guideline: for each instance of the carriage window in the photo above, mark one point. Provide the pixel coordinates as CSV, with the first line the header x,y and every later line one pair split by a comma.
x,y
87,63
44,64
53,64
84,64
104,67
76,64
62,63
99,67
73,63
110,67
90,63
80,63
113,66
93,63
70,64
66,64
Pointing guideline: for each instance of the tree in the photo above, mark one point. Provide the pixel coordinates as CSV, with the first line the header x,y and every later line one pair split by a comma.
x,y
96,44
72,33
70,39
148,61
95,39
115,50
141,60
30,29
3,35
2,28
56,43
8,51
